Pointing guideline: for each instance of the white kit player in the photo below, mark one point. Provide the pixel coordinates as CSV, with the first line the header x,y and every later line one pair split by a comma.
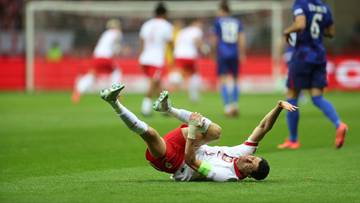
x,y
155,34
183,152
186,51
103,65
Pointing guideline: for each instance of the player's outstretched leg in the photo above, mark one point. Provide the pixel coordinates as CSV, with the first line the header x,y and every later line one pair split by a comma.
x,y
82,85
210,130
151,137
329,111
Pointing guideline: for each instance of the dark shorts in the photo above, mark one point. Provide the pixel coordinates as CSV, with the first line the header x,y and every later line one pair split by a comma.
x,y
228,66
175,152
304,75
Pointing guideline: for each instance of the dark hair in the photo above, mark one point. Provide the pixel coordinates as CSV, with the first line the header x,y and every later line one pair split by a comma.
x,y
224,6
160,9
262,171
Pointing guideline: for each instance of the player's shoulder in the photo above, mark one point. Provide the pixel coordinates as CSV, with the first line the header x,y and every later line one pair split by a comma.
x,y
301,2
163,23
146,24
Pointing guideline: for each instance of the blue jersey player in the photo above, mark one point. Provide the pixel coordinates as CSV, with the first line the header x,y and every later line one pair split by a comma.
x,y
307,70
229,43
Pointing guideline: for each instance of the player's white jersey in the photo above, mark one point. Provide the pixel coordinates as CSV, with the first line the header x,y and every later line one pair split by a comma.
x,y
156,33
108,44
185,44
222,161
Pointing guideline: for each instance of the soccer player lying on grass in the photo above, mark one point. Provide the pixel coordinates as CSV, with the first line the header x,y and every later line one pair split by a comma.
x,y
183,151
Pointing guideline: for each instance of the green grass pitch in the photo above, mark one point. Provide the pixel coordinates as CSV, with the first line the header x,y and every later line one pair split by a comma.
x,y
54,151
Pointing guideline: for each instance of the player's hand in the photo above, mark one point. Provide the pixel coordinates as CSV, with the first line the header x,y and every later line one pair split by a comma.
x,y
287,106
287,37
195,119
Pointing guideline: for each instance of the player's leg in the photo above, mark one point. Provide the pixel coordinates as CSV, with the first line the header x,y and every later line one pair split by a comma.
x,y
223,79
297,80
153,73
235,87
115,76
82,85
153,140
292,119
318,83
193,78
194,87
210,130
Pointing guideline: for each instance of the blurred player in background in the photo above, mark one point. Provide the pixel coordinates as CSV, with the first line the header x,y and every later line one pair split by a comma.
x,y
183,151
229,43
155,34
312,21
186,51
103,68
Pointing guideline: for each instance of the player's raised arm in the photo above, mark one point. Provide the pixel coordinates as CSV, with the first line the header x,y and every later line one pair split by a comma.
x,y
299,23
268,121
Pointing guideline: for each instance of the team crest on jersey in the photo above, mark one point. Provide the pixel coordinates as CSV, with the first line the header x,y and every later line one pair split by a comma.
x,y
227,158
168,165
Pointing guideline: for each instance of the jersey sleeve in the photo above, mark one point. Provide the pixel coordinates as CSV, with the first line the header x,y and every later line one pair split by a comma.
x,y
199,33
142,32
241,27
298,9
246,148
216,28
169,32
329,19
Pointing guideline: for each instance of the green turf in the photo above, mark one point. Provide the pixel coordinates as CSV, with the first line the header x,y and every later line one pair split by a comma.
x,y
54,151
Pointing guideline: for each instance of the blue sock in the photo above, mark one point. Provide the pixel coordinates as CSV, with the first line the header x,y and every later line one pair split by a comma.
x,y
225,94
292,121
327,108
235,93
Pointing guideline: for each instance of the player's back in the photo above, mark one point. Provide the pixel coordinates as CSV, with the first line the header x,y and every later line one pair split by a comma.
x,y
227,30
155,33
185,44
107,42
309,43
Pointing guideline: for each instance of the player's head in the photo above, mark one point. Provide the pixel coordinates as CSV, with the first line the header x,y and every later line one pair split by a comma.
x,y
197,22
224,8
253,166
262,170
160,10
113,24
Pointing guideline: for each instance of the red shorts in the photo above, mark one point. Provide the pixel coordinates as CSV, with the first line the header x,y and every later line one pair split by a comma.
x,y
175,152
188,65
152,71
103,65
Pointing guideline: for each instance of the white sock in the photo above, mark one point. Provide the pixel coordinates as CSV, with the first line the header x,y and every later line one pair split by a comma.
x,y
181,114
194,87
146,106
131,121
116,76
85,82
184,116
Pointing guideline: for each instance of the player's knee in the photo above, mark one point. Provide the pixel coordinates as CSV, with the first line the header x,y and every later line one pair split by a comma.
x,y
316,100
151,133
216,131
